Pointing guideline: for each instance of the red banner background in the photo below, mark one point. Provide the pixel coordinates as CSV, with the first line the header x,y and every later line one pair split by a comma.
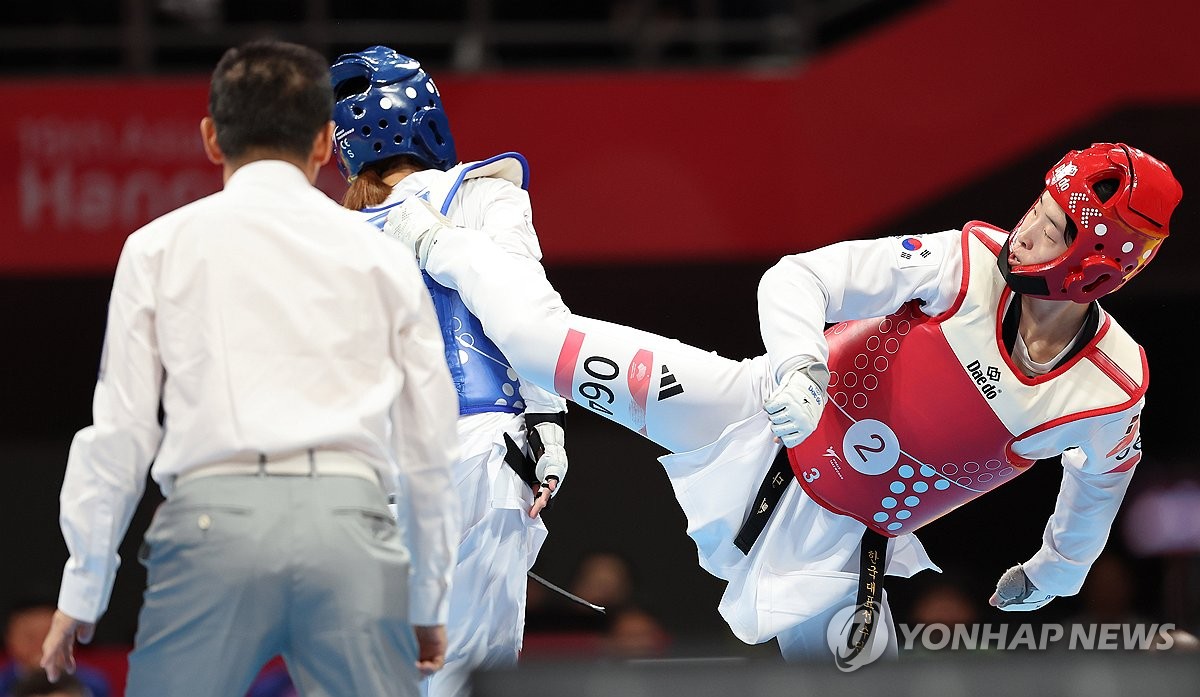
x,y
636,167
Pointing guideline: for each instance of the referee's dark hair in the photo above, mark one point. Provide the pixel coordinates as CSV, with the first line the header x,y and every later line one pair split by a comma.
x,y
270,97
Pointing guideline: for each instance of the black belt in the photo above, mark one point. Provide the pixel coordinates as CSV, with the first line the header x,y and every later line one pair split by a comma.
x,y
520,463
769,493
871,565
523,465
868,604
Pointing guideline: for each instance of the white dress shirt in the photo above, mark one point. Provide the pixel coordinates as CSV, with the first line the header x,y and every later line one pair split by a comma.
x,y
264,318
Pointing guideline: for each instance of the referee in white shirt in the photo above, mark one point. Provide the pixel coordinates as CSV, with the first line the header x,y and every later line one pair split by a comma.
x,y
298,362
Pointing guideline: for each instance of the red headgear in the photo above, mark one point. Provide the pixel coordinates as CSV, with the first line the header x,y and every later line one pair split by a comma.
x,y
1115,238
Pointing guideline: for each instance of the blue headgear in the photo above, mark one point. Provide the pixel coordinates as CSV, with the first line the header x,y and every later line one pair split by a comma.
x,y
387,106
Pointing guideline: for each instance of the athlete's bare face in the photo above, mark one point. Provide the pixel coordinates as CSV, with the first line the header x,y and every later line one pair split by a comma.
x,y
1041,234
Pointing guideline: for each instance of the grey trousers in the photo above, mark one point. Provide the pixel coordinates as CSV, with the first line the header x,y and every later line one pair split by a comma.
x,y
242,568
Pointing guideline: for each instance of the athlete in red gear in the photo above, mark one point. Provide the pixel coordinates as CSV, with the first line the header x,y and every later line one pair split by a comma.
x,y
956,361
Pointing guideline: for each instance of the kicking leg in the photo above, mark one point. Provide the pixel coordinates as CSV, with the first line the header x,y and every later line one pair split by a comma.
x,y
676,395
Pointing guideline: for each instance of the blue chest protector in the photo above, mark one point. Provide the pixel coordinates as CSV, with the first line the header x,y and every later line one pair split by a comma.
x,y
482,375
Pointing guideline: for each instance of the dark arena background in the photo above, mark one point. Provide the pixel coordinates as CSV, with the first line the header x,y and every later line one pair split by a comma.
x,y
677,149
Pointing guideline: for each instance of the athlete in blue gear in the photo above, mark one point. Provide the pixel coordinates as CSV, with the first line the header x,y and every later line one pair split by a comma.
x,y
393,142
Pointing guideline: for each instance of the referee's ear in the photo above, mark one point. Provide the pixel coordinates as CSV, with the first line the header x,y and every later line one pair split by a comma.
x,y
322,150
208,134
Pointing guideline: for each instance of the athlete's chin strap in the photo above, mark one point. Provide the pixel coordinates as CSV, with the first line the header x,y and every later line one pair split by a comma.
x,y
1025,285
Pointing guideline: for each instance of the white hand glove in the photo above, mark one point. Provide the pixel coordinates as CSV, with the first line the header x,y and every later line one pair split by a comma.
x,y
796,405
416,224
1016,593
553,460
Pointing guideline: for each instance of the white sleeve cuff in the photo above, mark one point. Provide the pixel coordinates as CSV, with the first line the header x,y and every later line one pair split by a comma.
x,y
1054,574
82,596
428,603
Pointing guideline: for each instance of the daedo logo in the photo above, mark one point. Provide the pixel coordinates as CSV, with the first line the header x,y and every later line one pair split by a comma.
x,y
986,379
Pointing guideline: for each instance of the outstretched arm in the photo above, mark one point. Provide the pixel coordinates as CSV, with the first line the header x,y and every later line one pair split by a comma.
x,y
1095,479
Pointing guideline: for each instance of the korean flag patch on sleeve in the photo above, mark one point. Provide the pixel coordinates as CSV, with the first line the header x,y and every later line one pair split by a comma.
x,y
916,250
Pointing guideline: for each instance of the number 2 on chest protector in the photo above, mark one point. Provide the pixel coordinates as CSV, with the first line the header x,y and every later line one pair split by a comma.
x,y
871,447
600,368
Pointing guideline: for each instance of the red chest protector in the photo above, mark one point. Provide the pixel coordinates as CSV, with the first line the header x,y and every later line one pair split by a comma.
x,y
923,411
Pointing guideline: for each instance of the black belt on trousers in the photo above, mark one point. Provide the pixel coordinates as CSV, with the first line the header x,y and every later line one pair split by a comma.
x,y
869,603
524,466
520,463
769,492
871,564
